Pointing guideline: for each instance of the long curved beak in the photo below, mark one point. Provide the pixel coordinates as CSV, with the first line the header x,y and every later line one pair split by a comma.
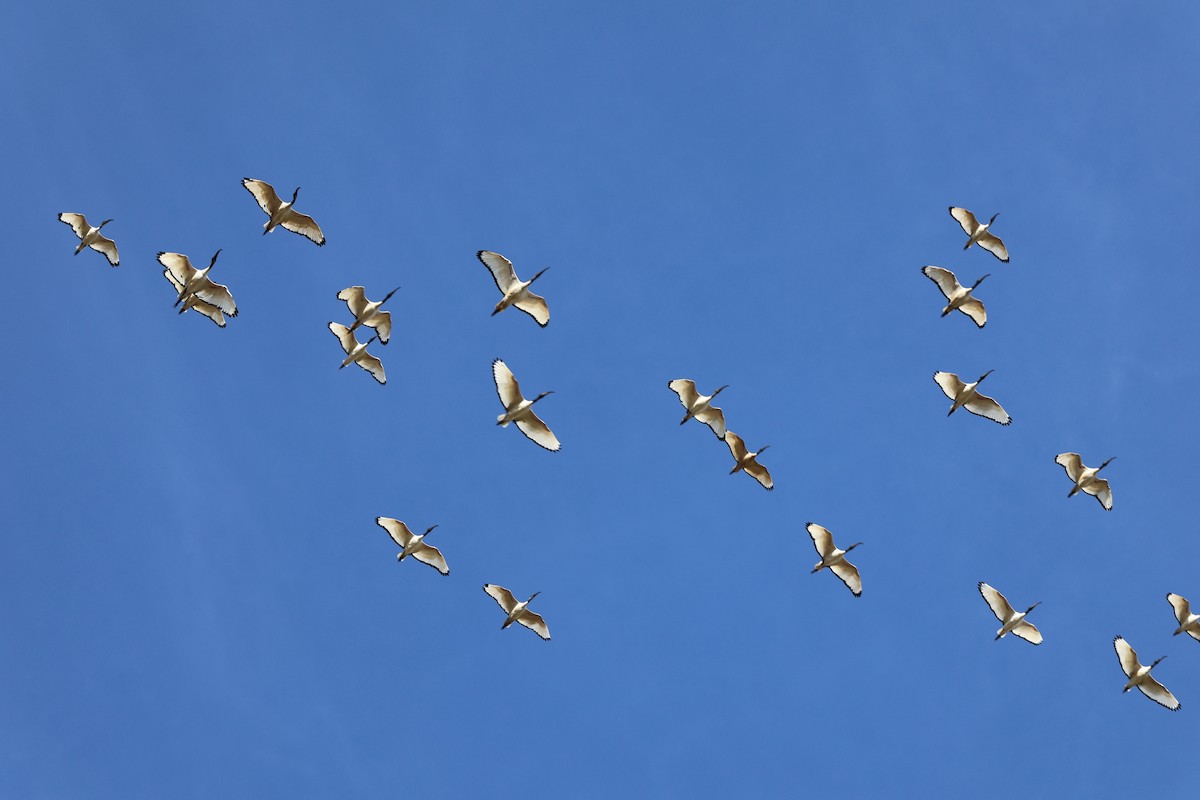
x,y
426,533
389,295
984,375
1105,464
214,258
993,219
718,391
535,277
981,280
295,194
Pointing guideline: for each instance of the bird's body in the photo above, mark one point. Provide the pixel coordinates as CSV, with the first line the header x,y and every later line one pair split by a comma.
x,y
833,558
698,405
517,612
368,313
966,395
1011,620
1139,675
192,301
281,214
518,410
515,291
745,460
412,544
958,296
978,233
91,237
1189,623
356,352
1085,478
191,281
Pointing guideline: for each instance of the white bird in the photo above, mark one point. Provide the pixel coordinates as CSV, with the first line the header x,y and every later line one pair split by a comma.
x,y
207,309
979,234
959,296
966,395
517,612
196,281
281,213
91,237
356,351
699,406
1085,478
412,544
1189,623
519,410
516,292
368,313
1011,620
1139,676
747,460
834,559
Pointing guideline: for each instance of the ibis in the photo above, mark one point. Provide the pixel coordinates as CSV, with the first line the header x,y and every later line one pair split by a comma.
x,y
91,237
516,292
190,280
745,460
698,405
519,411
966,395
959,297
356,352
833,558
282,214
1085,479
412,544
207,309
517,612
1011,620
367,313
1140,677
1189,623
979,233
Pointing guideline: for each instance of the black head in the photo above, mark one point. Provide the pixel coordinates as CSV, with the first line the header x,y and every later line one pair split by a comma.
x,y
373,338
851,547
540,396
1032,607
102,224
540,273
993,219
214,258
981,280
427,530
1105,464
295,194
718,391
389,295
535,594
1155,664
984,375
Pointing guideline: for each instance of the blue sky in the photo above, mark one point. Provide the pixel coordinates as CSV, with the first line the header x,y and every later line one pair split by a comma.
x,y
196,600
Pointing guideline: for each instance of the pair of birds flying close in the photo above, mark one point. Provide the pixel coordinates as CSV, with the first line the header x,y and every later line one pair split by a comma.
x,y
700,407
369,314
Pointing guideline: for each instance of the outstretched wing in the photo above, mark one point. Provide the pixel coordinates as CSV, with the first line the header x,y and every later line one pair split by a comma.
x,y
997,602
974,309
949,383
396,529
501,269
966,219
345,336
1127,656
382,323
1158,693
993,245
263,194
714,418
849,576
1072,463
356,299
736,446
535,306
428,554
503,597
685,389
1027,631
506,384
78,223
108,248
372,365
822,539
759,473
532,426
1100,490
986,407
304,225
179,266
219,296
944,279
535,623
1180,604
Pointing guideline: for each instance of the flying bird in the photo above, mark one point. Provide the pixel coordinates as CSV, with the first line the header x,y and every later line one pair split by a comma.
x,y
979,234
517,612
516,292
1189,623
833,558
411,544
356,352
280,213
1085,479
519,410
1011,620
965,395
190,280
960,297
368,313
91,237
207,309
1139,676
745,460
698,405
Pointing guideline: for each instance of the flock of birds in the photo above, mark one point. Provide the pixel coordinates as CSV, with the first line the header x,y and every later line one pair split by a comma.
x,y
195,290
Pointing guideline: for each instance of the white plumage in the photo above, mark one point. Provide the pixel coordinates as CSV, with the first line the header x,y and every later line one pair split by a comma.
x,y
356,352
91,237
745,460
516,292
412,544
698,405
959,297
834,559
978,233
1139,676
519,411
1189,623
368,313
1011,620
196,282
191,301
1085,479
966,395
517,612
282,214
